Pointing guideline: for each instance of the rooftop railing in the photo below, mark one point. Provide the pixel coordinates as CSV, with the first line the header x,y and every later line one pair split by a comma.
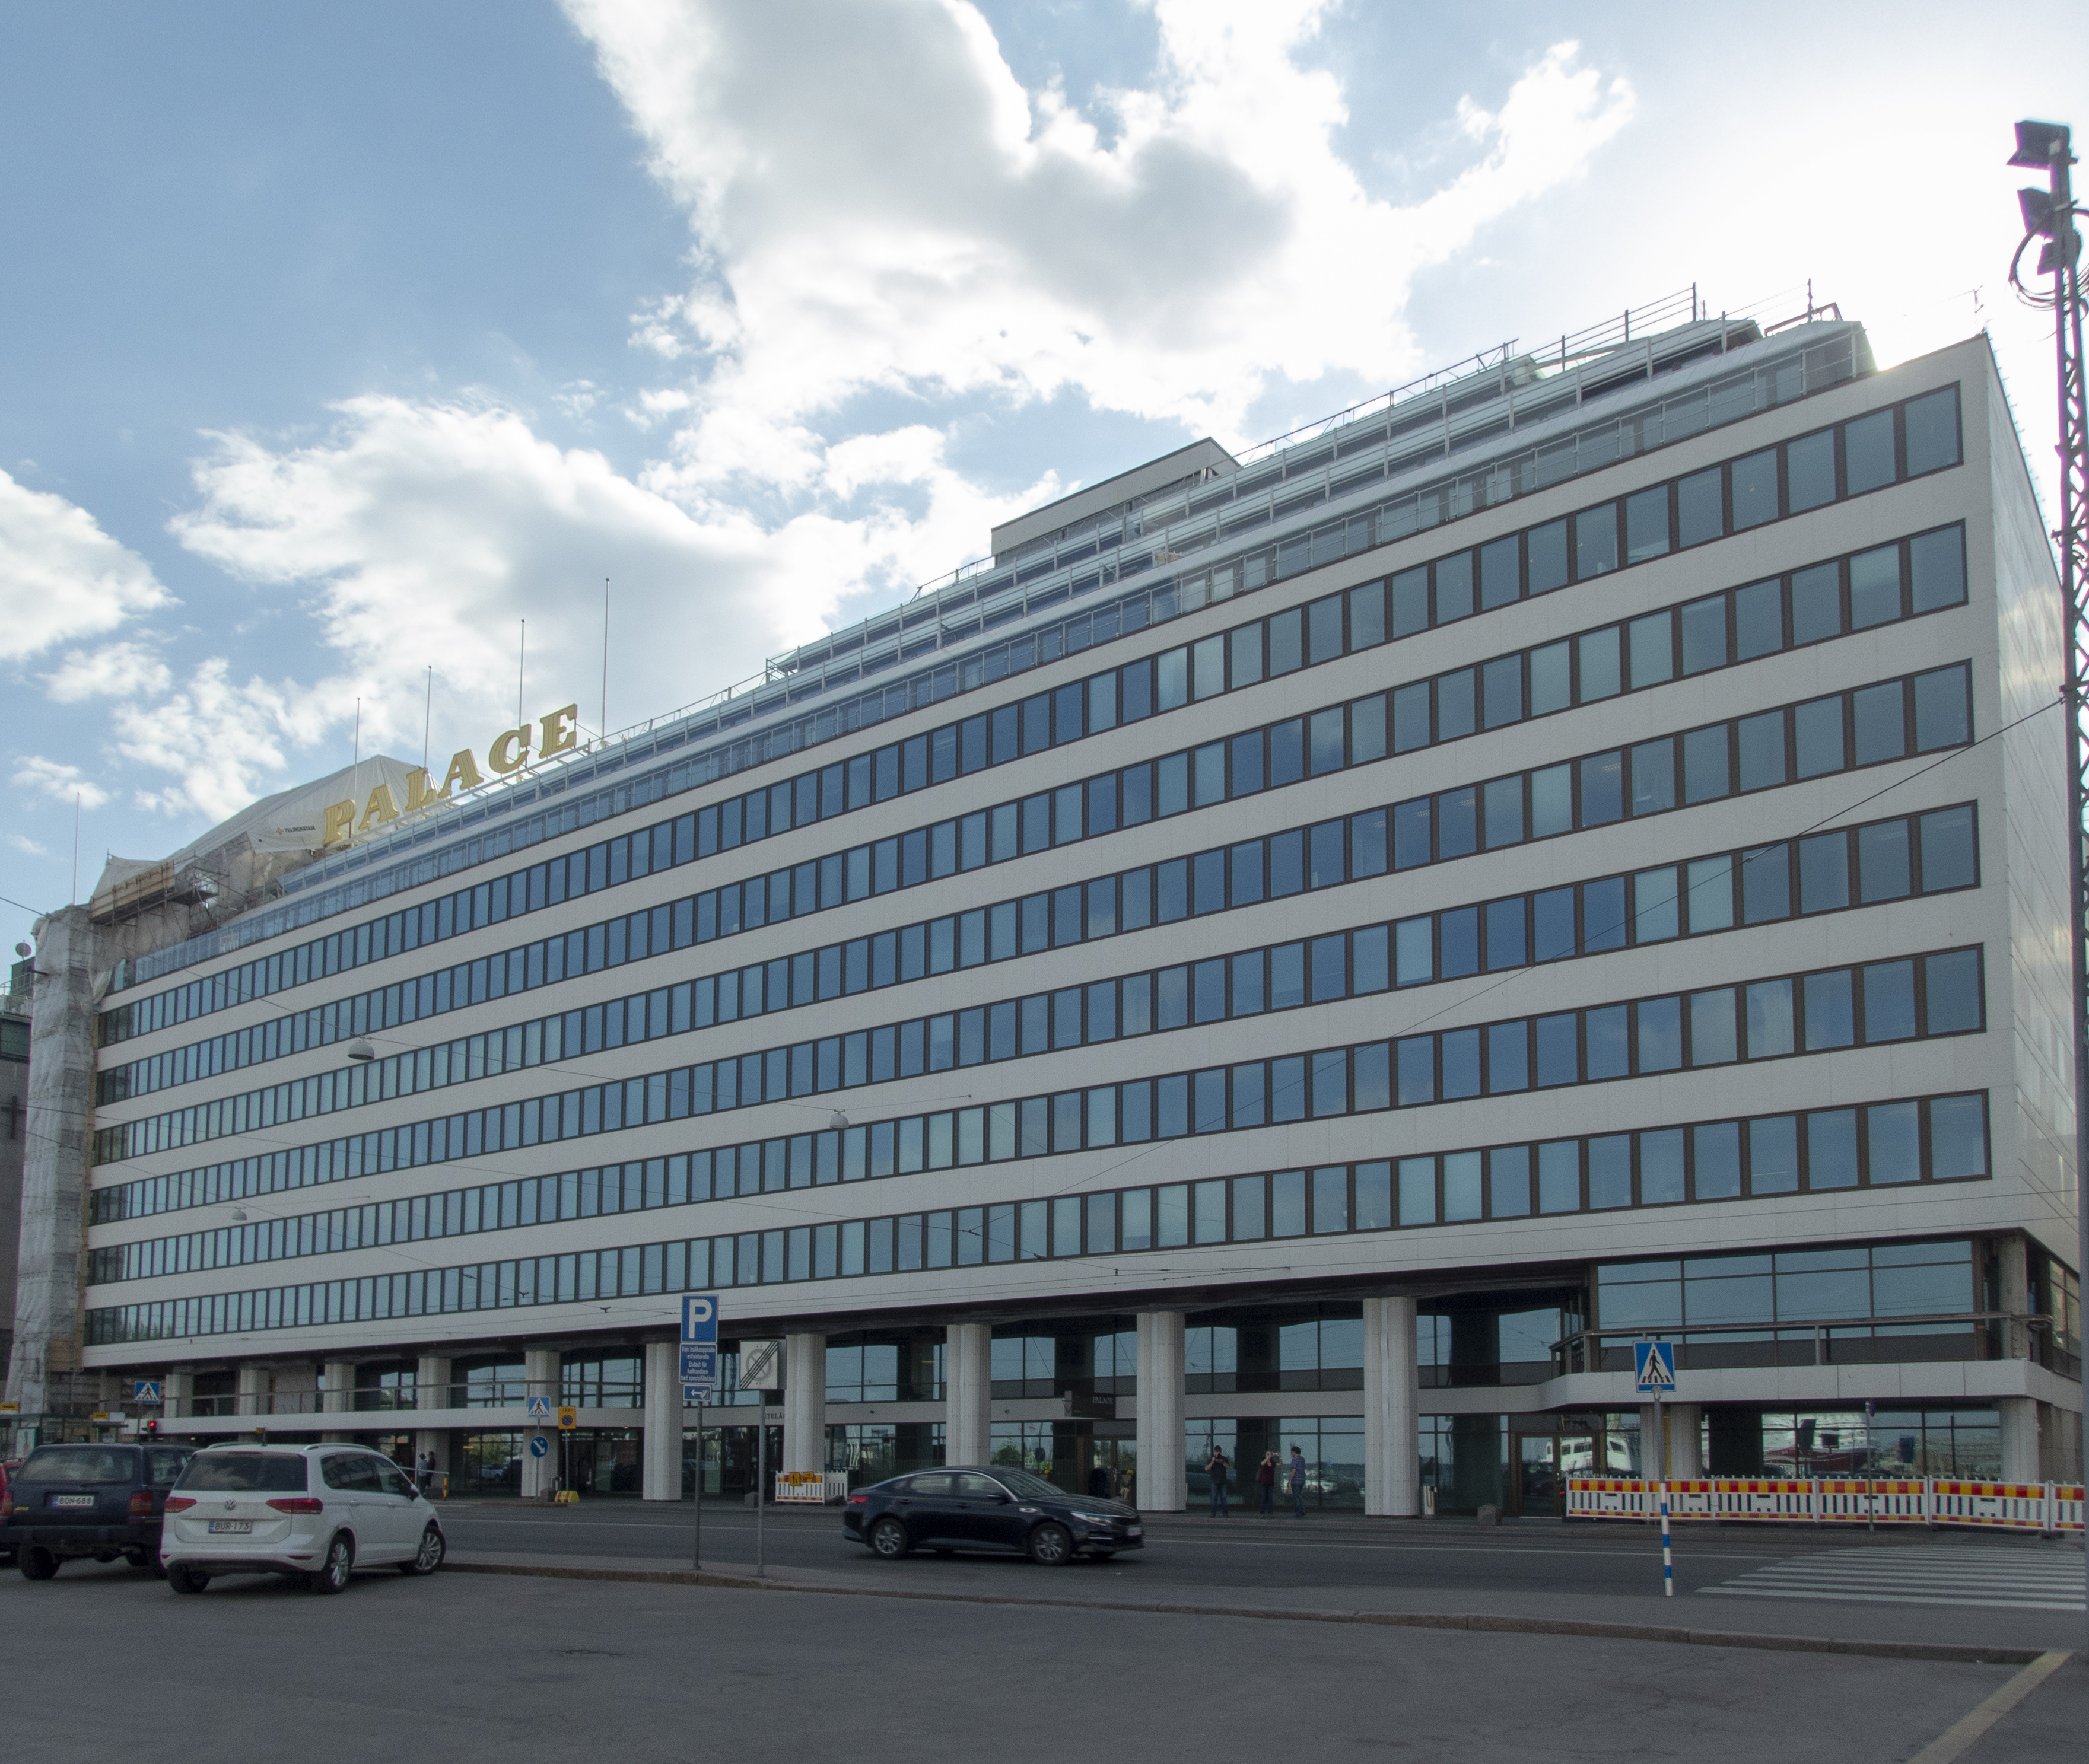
x,y
1275,501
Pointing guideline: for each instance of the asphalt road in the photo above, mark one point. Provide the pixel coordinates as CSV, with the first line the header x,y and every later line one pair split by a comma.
x,y
1533,1567
103,1662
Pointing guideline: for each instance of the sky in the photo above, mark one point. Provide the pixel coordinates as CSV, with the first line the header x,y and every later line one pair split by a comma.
x,y
339,343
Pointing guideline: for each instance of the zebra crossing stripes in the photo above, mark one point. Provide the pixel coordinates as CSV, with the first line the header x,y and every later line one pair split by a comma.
x,y
2021,1577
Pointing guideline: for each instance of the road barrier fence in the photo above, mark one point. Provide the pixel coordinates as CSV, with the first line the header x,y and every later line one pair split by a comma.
x,y
2042,1507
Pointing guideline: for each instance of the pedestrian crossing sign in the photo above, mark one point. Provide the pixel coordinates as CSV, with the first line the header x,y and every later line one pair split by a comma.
x,y
1653,1366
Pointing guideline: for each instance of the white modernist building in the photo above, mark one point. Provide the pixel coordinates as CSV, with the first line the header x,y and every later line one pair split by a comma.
x,y
1326,948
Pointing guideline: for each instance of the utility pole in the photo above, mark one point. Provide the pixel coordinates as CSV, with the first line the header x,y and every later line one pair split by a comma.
x,y
2049,216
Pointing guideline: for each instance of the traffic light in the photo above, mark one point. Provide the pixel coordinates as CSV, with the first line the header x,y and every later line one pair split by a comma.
x,y
152,1427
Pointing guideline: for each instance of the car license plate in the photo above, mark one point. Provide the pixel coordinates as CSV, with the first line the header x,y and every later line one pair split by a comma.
x,y
1134,1530
236,1527
72,1500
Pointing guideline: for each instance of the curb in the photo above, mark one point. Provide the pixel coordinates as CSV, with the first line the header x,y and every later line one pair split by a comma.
x,y
1482,1622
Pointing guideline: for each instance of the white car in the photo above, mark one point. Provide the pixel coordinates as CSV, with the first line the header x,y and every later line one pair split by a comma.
x,y
319,1512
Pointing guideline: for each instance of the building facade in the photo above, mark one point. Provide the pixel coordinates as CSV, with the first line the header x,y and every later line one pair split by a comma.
x,y
1575,851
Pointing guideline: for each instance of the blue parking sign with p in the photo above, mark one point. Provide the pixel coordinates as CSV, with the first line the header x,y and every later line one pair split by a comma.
x,y
699,1347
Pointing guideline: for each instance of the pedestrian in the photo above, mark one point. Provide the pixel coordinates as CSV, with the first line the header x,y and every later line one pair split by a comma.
x,y
1265,1476
1217,1470
1298,1480
427,1469
1099,1482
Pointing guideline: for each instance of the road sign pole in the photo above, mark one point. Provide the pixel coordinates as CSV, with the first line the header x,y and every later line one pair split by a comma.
x,y
698,1563
761,1479
1667,1549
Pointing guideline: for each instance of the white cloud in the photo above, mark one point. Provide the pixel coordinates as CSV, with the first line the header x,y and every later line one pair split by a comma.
x,y
225,742
123,670
879,203
54,778
62,577
22,842
423,532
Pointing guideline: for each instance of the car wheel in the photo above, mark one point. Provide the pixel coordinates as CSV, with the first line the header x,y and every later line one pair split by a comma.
x,y
38,1564
889,1539
429,1556
1051,1545
333,1574
186,1579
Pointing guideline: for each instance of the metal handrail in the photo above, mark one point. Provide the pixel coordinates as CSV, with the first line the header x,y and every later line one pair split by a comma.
x,y
1822,1330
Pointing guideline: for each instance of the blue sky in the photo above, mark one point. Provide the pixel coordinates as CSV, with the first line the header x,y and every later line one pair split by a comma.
x,y
337,341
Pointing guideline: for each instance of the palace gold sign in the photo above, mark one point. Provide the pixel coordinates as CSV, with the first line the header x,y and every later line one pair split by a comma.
x,y
556,733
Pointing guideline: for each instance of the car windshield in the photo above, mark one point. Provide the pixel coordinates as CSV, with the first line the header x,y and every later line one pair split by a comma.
x,y
236,1472
1021,1482
79,1463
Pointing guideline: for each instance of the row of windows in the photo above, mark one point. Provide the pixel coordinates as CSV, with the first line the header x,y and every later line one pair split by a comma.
x,y
1921,438
1879,861
1829,1150
925,624
1856,1280
1880,1003
1890,582
1874,724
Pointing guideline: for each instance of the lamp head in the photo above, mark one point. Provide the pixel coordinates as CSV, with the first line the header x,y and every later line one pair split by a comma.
x,y
2041,145
2036,207
361,1052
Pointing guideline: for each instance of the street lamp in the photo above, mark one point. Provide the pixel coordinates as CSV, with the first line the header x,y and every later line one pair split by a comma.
x,y
2049,217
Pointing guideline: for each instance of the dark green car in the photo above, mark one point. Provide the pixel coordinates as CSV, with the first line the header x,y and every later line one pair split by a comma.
x,y
105,1502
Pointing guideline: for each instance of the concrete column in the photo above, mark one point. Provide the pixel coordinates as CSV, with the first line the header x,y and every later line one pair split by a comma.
x,y
540,1475
253,1389
2020,1439
178,1394
1163,1482
1685,1441
1392,1409
337,1394
968,1394
663,1422
2014,1265
1685,1423
337,1386
432,1380
804,1402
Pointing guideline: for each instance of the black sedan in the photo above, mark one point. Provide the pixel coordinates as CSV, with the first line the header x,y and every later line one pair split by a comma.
x,y
989,1507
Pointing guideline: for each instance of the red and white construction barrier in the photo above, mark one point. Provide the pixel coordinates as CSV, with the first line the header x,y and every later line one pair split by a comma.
x,y
2008,1505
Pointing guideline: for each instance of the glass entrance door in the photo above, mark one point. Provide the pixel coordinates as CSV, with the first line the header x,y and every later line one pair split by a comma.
x,y
729,1463
1535,1488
